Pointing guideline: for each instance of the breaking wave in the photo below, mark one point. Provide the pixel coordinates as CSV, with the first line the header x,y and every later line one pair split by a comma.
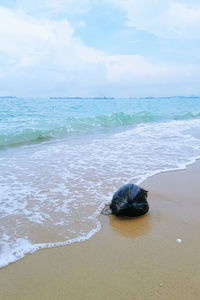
x,y
80,125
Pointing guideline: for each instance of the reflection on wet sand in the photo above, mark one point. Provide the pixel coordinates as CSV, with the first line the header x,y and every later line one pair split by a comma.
x,y
131,227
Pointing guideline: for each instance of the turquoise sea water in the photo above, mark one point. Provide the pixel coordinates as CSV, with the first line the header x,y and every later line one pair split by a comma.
x,y
35,120
62,159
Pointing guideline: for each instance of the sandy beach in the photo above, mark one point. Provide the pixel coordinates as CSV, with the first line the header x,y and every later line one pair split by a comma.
x,y
95,95
152,257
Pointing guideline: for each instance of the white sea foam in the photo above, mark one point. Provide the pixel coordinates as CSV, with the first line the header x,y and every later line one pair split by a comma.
x,y
17,249
58,189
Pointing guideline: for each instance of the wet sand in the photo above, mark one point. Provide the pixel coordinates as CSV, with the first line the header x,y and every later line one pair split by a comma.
x,y
129,258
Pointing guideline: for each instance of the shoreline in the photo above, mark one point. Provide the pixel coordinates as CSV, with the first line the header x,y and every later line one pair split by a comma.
x,y
97,214
129,258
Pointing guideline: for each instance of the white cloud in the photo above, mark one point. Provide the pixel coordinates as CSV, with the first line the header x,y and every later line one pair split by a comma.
x,y
163,18
166,18
55,7
77,7
44,58
29,39
185,20
140,70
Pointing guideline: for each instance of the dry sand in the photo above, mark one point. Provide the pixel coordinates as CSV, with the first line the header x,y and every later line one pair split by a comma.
x,y
129,258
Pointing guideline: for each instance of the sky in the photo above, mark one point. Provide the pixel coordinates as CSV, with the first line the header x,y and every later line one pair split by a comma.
x,y
119,48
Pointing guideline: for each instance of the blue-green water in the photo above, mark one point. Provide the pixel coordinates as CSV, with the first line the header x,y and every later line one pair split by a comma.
x,y
35,120
62,159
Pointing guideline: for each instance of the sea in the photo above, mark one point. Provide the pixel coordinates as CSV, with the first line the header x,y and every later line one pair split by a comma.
x,y
62,159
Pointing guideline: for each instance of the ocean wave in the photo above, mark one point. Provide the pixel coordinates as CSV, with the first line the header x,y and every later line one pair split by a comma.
x,y
73,125
24,137
188,116
83,125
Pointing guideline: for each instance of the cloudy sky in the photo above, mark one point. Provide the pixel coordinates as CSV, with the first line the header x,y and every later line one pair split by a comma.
x,y
91,48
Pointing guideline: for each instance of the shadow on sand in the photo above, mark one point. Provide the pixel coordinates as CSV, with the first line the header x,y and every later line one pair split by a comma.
x,y
131,227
